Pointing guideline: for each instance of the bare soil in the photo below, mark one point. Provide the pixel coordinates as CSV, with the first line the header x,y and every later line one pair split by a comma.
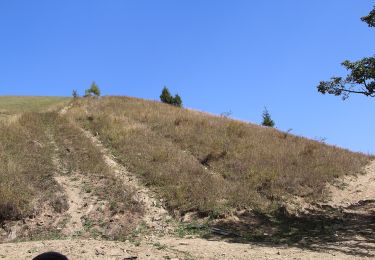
x,y
167,248
352,190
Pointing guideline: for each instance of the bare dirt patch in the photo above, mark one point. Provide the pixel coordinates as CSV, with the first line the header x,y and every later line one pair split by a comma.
x,y
354,189
166,248
75,204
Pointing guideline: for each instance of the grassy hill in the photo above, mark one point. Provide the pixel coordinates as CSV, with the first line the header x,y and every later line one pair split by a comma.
x,y
17,104
191,162
210,164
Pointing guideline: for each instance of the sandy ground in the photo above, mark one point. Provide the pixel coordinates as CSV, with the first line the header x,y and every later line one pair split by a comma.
x,y
354,189
167,248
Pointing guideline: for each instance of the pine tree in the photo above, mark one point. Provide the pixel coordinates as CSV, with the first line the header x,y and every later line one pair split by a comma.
x,y
93,90
267,120
165,96
75,93
177,101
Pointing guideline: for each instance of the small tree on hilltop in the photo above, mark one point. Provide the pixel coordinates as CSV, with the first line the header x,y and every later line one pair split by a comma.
x,y
93,90
267,120
165,96
177,101
75,93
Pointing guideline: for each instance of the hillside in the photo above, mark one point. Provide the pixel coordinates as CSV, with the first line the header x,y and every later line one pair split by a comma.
x,y
211,164
145,176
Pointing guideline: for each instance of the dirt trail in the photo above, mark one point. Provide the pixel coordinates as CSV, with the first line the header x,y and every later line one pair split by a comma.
x,y
155,216
75,202
72,189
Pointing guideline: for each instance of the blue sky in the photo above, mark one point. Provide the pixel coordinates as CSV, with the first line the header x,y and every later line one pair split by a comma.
x,y
220,56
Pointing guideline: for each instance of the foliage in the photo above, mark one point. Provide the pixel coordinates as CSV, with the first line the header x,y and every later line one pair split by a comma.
x,y
177,101
361,77
167,98
267,120
75,93
370,18
93,90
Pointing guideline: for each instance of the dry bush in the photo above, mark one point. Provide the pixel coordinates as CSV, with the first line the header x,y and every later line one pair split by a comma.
x,y
247,165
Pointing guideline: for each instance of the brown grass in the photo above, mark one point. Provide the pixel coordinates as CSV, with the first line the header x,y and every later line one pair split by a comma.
x,y
79,154
208,163
26,168
18,104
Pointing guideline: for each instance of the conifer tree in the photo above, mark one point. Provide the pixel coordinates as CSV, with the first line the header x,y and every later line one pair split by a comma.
x,y
165,96
93,90
177,101
267,120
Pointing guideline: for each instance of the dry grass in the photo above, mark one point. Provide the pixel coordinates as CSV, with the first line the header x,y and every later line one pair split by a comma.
x,y
209,164
26,168
19,104
80,155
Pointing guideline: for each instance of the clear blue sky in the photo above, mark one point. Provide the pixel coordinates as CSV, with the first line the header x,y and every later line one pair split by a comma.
x,y
220,56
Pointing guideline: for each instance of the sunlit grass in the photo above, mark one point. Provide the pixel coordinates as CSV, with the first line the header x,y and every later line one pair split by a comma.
x,y
17,104
206,163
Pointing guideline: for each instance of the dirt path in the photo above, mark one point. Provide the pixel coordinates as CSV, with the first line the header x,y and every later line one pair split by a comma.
x,y
75,203
72,189
156,216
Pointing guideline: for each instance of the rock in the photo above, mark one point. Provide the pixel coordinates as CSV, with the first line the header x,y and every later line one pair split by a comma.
x,y
99,251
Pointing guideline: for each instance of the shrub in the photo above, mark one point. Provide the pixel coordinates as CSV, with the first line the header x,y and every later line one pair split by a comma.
x,y
167,98
177,101
93,90
75,93
267,120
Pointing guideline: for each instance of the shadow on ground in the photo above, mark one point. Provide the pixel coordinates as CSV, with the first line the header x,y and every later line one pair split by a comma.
x,y
350,230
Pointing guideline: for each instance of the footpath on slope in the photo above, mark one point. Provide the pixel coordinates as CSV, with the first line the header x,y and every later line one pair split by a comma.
x,y
155,216
72,190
